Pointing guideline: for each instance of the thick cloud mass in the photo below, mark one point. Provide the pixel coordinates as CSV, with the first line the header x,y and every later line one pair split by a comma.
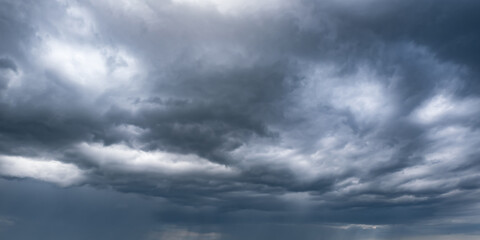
x,y
228,119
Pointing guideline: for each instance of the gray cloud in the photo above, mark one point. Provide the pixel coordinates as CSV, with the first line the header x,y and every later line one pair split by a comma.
x,y
342,118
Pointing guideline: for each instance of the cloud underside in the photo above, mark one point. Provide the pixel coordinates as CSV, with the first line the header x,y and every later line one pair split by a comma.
x,y
338,112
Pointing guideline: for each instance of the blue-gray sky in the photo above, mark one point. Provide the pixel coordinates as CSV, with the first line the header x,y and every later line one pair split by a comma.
x,y
230,119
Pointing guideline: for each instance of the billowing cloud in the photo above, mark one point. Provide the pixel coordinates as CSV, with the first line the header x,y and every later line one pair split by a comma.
x,y
346,119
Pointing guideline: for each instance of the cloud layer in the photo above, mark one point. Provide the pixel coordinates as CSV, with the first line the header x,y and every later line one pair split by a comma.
x,y
344,118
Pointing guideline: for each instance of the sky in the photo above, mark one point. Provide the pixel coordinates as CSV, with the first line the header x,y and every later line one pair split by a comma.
x,y
239,119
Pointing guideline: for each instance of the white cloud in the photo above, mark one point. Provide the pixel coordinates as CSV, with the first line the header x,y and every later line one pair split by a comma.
x,y
332,156
63,174
366,100
361,226
233,7
123,158
94,68
83,65
444,107
363,93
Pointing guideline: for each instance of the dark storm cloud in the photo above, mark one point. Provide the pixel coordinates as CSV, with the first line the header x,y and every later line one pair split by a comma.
x,y
344,114
6,63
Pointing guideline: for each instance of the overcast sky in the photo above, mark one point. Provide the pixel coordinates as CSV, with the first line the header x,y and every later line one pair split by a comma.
x,y
240,119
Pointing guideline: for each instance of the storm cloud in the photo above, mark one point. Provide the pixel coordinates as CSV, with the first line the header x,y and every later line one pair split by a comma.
x,y
332,119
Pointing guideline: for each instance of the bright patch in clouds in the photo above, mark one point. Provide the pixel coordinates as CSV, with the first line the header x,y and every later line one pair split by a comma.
x,y
444,107
366,100
93,68
63,174
362,93
123,158
234,6
83,65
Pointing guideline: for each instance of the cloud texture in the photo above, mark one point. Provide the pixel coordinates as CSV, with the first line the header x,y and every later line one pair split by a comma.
x,y
231,119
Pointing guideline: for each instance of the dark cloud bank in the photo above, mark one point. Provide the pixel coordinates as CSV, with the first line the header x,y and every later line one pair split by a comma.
x,y
189,119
